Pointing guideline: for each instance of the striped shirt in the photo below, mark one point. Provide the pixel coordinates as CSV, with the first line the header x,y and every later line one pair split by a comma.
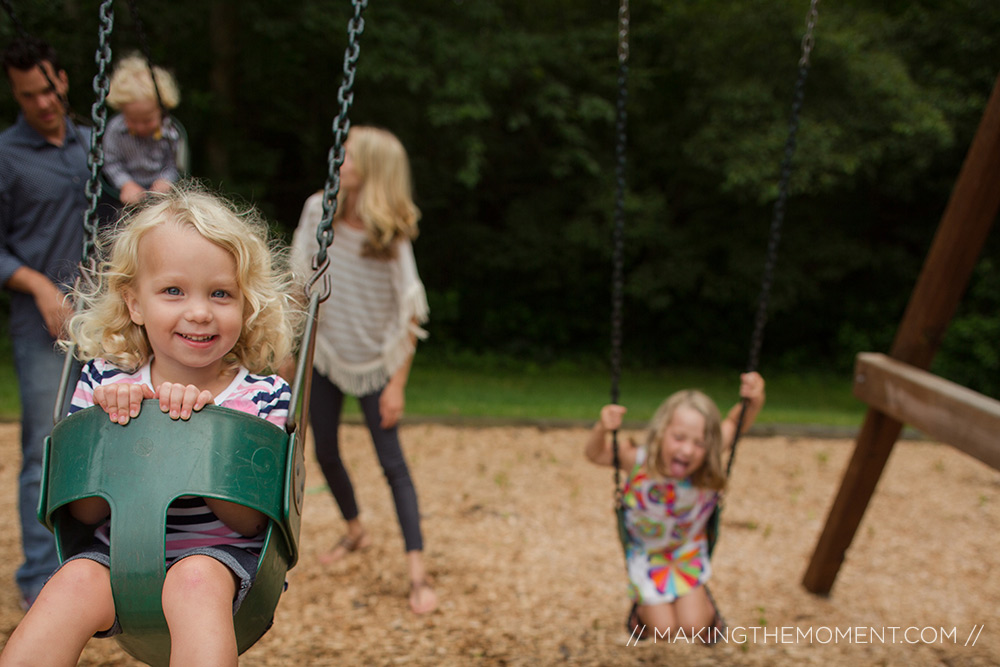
x,y
144,160
190,523
42,202
364,329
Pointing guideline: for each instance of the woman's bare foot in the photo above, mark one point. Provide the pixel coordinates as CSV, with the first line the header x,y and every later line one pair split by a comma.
x,y
423,599
349,543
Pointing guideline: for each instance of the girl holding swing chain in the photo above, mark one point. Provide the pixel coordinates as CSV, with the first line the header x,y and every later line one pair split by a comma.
x,y
674,481
189,308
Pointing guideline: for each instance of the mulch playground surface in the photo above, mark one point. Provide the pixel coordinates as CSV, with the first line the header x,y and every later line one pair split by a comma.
x,y
521,545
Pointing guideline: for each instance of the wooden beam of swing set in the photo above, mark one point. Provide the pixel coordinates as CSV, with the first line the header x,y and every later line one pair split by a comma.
x,y
941,409
961,235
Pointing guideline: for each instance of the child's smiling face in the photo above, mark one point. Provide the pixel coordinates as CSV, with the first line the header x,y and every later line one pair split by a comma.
x,y
188,298
683,449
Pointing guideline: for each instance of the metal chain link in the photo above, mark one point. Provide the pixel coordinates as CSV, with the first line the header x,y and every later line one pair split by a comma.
x,y
95,160
140,31
777,219
618,251
324,231
341,126
99,115
18,26
623,26
807,39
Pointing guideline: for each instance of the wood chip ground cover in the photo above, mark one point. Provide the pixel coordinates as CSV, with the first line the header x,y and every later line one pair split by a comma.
x,y
520,541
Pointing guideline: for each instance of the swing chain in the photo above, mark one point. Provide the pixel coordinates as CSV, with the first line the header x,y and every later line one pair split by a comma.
x,y
99,115
807,38
623,25
618,280
774,236
140,31
618,251
324,231
18,26
341,126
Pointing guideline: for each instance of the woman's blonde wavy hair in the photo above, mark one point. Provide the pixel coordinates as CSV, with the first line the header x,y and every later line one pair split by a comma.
x,y
385,200
102,326
711,474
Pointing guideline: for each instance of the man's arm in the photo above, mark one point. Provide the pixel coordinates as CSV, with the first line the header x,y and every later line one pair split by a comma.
x,y
52,303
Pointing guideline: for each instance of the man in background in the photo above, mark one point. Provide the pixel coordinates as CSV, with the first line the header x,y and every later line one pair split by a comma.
x,y
43,172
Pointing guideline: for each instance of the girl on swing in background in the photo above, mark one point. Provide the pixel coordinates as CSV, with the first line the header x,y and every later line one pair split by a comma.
x,y
674,481
367,332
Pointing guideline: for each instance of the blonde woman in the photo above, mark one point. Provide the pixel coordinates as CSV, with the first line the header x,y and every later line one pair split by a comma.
x,y
368,331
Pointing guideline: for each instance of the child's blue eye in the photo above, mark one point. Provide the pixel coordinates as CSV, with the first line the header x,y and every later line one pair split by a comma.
x,y
220,294
173,291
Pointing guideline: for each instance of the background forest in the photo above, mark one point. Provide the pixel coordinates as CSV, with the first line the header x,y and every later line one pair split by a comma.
x,y
507,110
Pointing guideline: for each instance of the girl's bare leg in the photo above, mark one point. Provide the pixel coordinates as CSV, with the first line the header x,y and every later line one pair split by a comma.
x,y
198,604
685,617
660,620
74,604
695,613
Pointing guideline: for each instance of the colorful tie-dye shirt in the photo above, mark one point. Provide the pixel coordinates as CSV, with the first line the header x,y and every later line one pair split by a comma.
x,y
667,555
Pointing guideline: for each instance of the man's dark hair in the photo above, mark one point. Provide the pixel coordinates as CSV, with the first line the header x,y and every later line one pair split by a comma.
x,y
24,53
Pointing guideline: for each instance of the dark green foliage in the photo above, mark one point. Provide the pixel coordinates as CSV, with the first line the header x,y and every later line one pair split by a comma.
x,y
507,109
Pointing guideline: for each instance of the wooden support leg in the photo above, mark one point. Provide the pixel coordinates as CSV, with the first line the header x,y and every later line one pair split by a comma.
x,y
961,235
875,441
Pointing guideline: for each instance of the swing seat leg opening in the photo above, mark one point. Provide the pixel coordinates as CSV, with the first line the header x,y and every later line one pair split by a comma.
x,y
140,469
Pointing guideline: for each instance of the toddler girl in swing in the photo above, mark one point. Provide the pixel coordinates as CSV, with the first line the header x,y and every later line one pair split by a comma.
x,y
188,307
673,484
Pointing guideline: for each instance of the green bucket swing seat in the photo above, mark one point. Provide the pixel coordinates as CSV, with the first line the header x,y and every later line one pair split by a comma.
x,y
140,469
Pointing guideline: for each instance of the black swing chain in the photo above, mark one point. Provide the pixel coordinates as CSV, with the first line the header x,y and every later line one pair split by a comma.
x,y
92,189
778,217
618,257
341,126
140,32
18,26
324,231
99,115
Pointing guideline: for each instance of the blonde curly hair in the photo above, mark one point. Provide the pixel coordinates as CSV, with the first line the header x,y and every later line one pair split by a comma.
x,y
385,201
711,474
131,82
102,326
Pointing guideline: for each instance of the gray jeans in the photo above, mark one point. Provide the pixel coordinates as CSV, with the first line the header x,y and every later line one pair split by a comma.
x,y
325,405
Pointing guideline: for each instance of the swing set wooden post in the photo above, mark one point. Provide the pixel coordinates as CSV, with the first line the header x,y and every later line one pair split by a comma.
x,y
899,390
